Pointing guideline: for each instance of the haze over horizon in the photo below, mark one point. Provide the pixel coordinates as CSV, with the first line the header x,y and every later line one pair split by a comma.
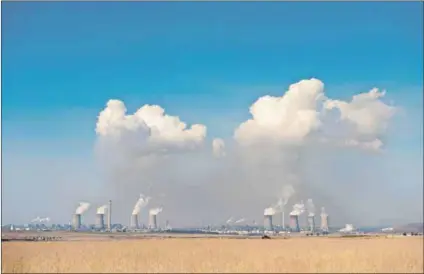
x,y
212,110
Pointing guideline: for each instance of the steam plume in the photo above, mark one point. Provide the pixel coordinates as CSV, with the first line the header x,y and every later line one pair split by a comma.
x,y
141,202
102,209
310,207
155,211
40,220
218,147
229,220
298,209
270,211
83,207
239,221
286,193
291,133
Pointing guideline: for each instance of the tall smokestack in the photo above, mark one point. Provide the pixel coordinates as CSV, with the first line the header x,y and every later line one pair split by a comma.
x,y
100,221
311,223
109,216
152,221
134,221
282,220
76,221
294,223
268,222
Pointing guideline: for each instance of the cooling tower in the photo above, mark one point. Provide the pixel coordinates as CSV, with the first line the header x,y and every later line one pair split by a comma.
x,y
152,221
294,223
76,221
268,222
324,222
311,223
100,221
109,216
134,221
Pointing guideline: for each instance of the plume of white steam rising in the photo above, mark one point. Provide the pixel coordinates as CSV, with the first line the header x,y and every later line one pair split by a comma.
x,y
218,147
141,202
287,192
102,209
270,211
229,220
323,213
239,221
40,220
148,129
292,118
155,211
35,220
310,207
298,209
83,207
301,114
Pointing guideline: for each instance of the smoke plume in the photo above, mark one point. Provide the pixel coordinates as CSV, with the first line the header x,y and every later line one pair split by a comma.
x,y
240,221
155,211
83,207
297,145
102,209
270,211
141,202
218,147
40,220
298,209
310,207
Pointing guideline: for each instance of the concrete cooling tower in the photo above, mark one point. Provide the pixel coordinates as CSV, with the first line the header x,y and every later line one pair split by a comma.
x,y
100,221
324,222
134,221
152,221
294,223
76,221
268,222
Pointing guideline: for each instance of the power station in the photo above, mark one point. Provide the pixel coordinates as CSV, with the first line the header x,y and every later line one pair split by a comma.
x,y
298,210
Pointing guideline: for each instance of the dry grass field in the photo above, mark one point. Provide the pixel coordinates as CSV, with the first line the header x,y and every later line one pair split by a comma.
x,y
400,255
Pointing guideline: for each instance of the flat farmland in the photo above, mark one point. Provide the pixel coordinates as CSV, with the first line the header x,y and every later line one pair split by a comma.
x,y
401,255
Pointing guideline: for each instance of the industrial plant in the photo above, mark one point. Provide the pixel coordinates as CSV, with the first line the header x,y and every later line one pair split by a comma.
x,y
233,226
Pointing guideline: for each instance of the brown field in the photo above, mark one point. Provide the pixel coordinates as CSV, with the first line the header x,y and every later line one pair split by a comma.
x,y
400,255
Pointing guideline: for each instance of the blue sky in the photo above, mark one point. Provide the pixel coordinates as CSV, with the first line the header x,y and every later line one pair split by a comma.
x,y
206,62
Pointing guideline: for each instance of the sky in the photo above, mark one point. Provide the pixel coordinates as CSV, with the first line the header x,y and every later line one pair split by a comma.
x,y
204,62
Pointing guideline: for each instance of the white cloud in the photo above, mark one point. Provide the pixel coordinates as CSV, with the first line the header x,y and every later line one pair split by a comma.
x,y
290,117
302,112
366,112
149,127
